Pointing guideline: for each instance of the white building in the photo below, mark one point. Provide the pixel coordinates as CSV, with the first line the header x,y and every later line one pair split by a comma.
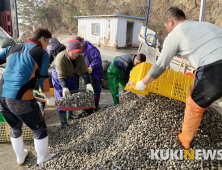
x,y
110,30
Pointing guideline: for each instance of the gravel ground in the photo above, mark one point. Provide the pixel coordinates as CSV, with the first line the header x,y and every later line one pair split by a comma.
x,y
122,136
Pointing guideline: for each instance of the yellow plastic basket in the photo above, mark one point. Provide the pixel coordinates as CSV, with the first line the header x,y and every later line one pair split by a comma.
x,y
170,84
4,132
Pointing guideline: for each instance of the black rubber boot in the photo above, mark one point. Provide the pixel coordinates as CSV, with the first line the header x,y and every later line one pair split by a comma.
x,y
73,115
96,109
63,119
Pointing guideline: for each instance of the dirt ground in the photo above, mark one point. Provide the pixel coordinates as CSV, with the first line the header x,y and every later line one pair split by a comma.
x,y
7,155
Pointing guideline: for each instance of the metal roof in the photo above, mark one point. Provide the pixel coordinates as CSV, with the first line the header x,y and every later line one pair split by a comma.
x,y
114,15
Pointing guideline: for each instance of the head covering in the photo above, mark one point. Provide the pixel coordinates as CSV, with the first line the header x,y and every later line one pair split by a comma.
x,y
80,39
74,46
54,44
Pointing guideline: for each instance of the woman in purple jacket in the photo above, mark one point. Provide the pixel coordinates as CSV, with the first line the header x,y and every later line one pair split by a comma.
x,y
94,64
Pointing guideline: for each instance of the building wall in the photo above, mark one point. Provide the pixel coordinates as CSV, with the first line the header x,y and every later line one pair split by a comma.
x,y
112,31
108,31
136,30
122,31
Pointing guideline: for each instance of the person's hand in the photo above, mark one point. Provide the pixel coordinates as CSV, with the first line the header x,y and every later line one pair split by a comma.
x,y
65,92
89,88
89,69
140,86
51,101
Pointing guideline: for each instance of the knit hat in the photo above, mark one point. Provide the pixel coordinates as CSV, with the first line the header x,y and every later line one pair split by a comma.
x,y
54,44
74,46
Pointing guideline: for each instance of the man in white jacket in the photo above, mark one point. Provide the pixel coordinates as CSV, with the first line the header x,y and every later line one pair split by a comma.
x,y
201,44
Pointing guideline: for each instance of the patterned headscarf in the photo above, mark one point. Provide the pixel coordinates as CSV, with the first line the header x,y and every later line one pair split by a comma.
x,y
54,44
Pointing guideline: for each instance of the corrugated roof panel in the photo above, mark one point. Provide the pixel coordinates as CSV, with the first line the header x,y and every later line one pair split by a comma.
x,y
114,15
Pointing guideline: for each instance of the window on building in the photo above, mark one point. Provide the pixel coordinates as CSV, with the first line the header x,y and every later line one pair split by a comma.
x,y
95,28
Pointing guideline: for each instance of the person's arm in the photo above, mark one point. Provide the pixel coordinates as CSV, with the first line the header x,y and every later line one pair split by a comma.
x,y
85,74
51,58
147,79
86,78
141,85
126,67
60,65
97,61
43,76
62,77
3,55
170,48
126,73
63,82
82,63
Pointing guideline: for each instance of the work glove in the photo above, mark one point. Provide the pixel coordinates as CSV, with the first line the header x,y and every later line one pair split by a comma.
x,y
89,69
51,101
140,86
89,88
65,92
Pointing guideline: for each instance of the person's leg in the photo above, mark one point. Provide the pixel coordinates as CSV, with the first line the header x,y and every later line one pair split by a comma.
x,y
192,118
58,95
113,86
28,111
15,132
122,83
40,103
207,89
97,91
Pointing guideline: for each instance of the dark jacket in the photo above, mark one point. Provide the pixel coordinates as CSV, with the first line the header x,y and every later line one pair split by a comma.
x,y
125,64
53,53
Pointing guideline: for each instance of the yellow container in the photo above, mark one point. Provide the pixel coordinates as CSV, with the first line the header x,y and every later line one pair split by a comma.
x,y
5,132
170,84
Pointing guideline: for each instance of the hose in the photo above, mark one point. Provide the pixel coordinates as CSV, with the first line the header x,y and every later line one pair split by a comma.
x,y
145,35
